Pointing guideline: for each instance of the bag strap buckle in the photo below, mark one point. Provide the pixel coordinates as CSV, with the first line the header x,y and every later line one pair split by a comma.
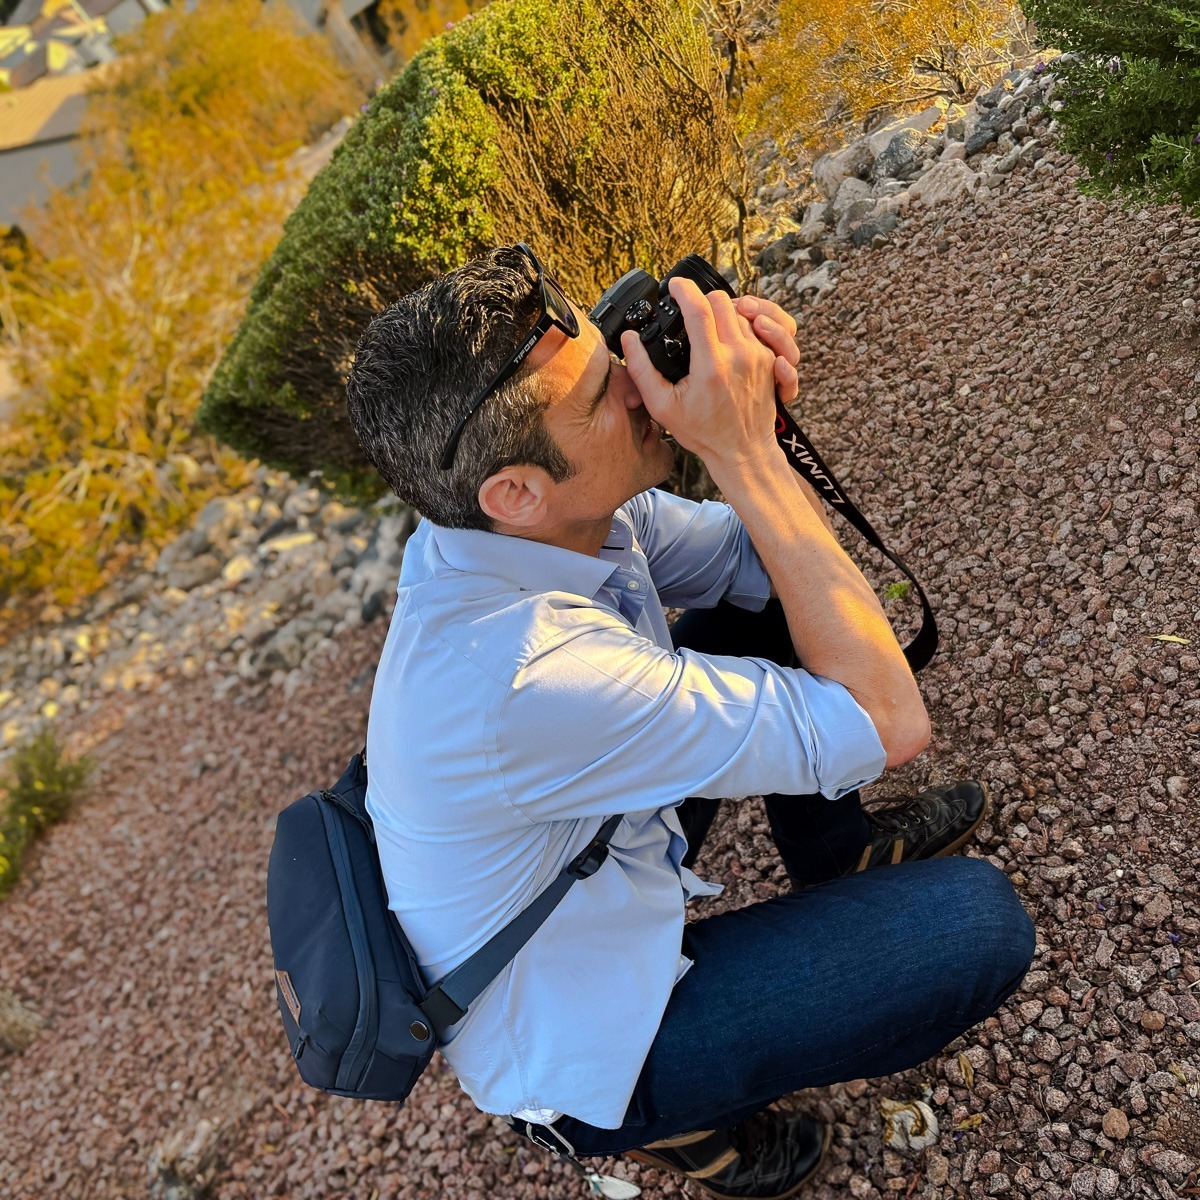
x,y
589,860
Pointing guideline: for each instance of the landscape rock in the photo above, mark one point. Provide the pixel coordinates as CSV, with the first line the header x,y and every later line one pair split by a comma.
x,y
816,285
775,258
813,226
19,1024
1116,1124
194,572
851,162
916,124
900,153
944,183
851,191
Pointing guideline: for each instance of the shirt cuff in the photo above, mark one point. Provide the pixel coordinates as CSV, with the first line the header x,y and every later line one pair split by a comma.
x,y
852,754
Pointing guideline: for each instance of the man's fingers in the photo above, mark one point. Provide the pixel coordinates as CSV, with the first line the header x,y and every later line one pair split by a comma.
x,y
752,306
651,384
698,318
787,381
731,325
773,327
770,333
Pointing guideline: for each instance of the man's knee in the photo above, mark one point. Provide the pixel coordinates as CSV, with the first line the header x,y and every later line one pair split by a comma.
x,y
997,934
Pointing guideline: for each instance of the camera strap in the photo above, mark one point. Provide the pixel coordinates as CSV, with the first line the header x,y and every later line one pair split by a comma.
x,y
808,463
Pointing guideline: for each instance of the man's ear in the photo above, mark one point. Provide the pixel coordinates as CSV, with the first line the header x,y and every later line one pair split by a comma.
x,y
516,496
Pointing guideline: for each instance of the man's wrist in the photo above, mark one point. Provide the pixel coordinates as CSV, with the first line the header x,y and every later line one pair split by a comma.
x,y
732,471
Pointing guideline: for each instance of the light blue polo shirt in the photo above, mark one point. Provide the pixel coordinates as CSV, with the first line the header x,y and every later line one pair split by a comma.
x,y
525,692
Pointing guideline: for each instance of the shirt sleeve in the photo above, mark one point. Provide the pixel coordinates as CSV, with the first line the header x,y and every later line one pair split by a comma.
x,y
698,554
607,721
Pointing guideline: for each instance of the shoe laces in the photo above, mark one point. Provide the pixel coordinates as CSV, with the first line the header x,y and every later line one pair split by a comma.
x,y
903,812
759,1140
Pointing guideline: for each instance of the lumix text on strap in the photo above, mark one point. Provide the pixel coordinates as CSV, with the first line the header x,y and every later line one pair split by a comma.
x,y
808,463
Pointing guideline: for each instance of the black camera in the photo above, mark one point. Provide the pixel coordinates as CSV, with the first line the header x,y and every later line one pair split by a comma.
x,y
638,301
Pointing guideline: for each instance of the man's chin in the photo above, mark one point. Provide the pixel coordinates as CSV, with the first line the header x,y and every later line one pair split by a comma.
x,y
668,462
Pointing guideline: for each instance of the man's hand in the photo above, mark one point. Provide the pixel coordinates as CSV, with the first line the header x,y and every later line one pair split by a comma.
x,y
724,408
776,329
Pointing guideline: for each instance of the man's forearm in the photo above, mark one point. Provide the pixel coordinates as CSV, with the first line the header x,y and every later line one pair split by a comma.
x,y
836,622
815,504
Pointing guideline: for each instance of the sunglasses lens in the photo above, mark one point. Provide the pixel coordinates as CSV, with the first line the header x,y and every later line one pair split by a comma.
x,y
559,307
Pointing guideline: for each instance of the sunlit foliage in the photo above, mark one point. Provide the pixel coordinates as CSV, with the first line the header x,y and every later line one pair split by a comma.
x,y
115,312
412,23
39,787
838,62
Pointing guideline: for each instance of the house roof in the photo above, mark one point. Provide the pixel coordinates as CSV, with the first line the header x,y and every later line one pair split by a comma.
x,y
98,8
64,24
49,108
26,12
23,68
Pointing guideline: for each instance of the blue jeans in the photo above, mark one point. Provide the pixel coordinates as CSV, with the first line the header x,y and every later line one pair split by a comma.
x,y
858,976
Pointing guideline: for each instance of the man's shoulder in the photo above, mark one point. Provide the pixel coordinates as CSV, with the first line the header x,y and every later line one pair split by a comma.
x,y
490,629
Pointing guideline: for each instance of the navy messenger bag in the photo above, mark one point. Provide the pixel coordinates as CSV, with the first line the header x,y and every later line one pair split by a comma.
x,y
359,1020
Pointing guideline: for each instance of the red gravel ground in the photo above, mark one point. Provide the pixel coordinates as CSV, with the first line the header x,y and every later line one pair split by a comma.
x,y
1010,390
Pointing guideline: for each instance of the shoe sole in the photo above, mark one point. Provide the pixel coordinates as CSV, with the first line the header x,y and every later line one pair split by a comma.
x,y
983,813
638,1156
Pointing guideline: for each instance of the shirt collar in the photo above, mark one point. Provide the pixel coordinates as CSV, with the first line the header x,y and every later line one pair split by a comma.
x,y
534,566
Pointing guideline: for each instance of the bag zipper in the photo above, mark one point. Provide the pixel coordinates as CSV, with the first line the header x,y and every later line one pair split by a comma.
x,y
358,1053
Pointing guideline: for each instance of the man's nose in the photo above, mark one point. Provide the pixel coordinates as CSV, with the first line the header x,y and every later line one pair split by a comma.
x,y
632,397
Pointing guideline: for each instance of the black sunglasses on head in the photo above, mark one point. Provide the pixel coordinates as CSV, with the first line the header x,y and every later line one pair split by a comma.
x,y
556,312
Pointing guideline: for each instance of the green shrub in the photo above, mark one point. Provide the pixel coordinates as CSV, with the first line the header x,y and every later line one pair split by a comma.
x,y
531,119
41,789
1130,90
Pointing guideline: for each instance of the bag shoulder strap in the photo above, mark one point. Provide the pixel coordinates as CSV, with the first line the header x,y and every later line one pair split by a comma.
x,y
446,1003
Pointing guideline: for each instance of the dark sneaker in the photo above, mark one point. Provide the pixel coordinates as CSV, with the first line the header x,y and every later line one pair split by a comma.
x,y
770,1156
933,822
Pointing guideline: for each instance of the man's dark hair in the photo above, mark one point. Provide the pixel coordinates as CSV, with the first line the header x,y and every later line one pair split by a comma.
x,y
424,359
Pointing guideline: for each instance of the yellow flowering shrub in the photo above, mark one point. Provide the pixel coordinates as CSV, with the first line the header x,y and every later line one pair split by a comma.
x,y
834,63
116,308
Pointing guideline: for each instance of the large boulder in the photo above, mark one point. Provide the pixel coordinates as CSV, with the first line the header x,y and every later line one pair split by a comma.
x,y
875,231
849,192
956,122
221,518
816,285
992,123
850,162
857,212
946,180
776,258
814,224
919,123
900,154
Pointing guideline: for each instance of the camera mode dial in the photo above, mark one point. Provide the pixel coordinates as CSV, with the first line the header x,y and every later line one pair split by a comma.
x,y
639,314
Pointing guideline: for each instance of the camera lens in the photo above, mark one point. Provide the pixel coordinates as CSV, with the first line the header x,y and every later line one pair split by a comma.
x,y
638,314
